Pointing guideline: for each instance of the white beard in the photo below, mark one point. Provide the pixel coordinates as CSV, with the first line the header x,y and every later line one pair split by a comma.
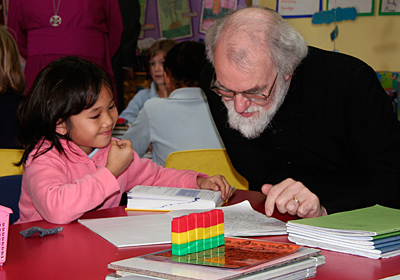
x,y
252,127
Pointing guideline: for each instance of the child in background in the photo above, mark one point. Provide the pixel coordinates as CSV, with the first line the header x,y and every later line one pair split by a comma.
x,y
183,120
156,55
12,89
72,165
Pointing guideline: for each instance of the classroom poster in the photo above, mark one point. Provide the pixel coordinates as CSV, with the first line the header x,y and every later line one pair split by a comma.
x,y
214,9
174,24
298,8
143,9
363,7
390,82
389,7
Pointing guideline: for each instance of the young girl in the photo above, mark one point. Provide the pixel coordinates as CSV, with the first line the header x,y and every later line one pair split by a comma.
x,y
72,165
156,54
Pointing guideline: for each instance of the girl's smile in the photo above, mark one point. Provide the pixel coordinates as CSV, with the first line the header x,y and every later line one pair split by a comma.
x,y
92,128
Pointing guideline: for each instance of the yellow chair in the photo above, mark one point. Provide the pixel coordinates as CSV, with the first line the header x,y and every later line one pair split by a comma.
x,y
208,161
10,180
7,159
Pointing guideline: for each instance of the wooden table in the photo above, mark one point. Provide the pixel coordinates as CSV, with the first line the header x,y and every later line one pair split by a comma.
x,y
78,253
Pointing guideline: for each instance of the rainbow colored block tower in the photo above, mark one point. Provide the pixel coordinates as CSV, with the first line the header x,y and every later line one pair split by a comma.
x,y
197,232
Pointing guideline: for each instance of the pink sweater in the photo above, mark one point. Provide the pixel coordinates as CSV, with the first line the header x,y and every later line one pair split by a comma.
x,y
60,189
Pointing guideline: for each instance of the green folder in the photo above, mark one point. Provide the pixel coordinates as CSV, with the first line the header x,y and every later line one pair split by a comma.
x,y
371,221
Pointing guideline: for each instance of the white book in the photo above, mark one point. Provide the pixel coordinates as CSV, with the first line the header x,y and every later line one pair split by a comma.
x,y
152,198
362,240
304,269
371,253
301,264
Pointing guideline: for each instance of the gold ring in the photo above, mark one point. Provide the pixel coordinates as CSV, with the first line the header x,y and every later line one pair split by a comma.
x,y
295,199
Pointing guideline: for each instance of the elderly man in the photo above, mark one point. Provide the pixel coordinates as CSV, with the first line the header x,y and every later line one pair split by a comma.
x,y
312,129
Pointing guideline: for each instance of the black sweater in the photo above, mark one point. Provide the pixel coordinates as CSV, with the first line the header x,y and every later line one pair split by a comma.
x,y
9,103
335,132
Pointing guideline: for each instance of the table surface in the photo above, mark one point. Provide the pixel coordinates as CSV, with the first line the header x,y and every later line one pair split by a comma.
x,y
78,253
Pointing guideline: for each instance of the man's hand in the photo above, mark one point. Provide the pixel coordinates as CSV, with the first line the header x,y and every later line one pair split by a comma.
x,y
292,197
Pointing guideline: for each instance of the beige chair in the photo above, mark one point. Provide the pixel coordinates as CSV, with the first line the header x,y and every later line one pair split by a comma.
x,y
208,161
7,159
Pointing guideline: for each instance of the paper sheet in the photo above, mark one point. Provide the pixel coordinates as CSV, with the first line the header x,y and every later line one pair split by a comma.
x,y
240,220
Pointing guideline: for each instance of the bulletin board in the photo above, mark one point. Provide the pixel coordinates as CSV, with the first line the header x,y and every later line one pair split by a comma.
x,y
389,7
298,8
143,9
212,10
172,19
363,7
178,19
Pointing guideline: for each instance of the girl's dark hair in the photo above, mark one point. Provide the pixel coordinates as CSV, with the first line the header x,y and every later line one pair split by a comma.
x,y
66,87
185,62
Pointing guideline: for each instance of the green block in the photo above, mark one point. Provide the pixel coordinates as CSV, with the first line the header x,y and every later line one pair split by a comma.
x,y
221,239
199,245
191,247
180,249
214,241
207,243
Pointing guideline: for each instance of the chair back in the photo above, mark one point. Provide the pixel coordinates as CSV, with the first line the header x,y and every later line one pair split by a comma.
x,y
10,192
208,161
10,180
7,159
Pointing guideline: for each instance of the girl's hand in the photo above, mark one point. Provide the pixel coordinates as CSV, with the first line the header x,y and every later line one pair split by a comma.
x,y
216,183
119,156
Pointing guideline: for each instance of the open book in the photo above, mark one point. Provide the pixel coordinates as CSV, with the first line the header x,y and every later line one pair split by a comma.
x,y
166,199
240,220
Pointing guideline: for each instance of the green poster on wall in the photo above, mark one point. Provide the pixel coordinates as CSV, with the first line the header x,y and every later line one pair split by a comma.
x,y
175,18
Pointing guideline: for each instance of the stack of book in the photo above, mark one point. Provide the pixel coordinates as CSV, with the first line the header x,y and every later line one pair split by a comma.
x,y
372,232
153,198
239,258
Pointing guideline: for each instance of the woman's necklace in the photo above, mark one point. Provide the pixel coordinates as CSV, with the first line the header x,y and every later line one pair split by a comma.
x,y
56,19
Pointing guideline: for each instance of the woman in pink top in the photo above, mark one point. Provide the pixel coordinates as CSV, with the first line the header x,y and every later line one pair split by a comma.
x,y
72,165
48,30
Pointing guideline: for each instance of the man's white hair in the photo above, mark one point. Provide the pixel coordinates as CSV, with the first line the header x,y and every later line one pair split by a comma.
x,y
252,30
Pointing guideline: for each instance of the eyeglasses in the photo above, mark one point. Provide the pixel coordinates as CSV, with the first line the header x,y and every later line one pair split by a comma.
x,y
256,96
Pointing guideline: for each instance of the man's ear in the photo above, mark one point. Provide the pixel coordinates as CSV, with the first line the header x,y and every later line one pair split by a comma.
x,y
61,127
288,77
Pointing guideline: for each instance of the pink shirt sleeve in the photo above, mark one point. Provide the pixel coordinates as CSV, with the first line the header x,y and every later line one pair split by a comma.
x,y
61,190
146,172
44,185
